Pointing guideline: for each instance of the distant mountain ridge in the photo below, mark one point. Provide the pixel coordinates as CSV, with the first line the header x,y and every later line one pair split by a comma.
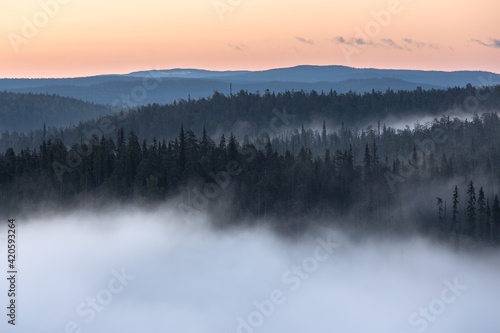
x,y
165,86
333,73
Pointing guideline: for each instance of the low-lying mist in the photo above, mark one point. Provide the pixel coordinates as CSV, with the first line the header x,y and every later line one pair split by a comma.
x,y
131,270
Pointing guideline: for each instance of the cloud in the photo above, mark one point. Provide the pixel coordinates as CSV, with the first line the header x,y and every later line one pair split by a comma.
x,y
390,43
353,41
405,44
419,45
240,47
361,41
186,277
495,43
305,41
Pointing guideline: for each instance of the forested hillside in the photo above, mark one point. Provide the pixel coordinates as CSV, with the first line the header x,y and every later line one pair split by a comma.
x,y
441,179
26,112
248,114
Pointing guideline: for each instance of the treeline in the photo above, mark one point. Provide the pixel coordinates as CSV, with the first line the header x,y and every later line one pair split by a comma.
x,y
247,113
375,180
26,112
480,220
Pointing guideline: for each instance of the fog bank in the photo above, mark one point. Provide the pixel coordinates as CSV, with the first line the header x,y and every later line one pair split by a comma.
x,y
137,271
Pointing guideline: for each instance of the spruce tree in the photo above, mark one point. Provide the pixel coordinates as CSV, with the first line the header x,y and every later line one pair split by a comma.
x,y
182,150
367,165
487,222
495,221
454,217
481,215
323,135
375,160
441,225
470,225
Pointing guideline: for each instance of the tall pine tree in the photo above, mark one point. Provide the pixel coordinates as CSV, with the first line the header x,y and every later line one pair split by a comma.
x,y
454,217
470,225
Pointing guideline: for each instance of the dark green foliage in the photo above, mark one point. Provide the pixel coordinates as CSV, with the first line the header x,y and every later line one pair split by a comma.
x,y
220,113
481,215
455,212
470,224
335,176
441,218
495,221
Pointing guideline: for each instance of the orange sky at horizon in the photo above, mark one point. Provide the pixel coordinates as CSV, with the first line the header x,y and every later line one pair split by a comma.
x,y
69,38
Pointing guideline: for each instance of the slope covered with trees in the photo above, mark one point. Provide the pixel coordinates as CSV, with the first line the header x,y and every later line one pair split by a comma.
x,y
440,179
250,114
27,112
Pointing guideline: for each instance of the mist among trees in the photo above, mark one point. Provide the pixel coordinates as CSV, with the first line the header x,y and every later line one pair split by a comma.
x,y
439,179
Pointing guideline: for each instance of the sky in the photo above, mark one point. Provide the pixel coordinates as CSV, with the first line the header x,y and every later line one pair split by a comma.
x,y
68,38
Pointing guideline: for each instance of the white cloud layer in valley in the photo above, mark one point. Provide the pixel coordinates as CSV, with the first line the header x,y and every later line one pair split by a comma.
x,y
129,270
